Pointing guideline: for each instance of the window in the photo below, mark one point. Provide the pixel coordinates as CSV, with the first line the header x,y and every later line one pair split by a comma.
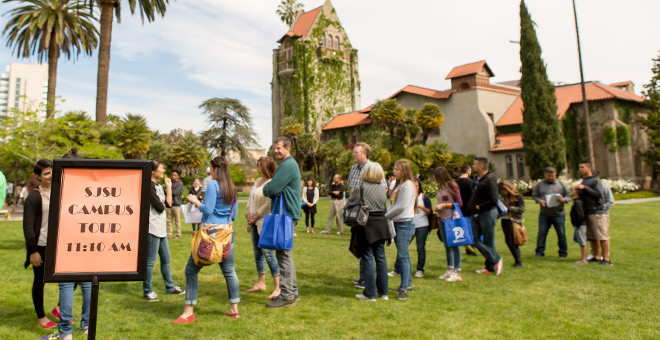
x,y
509,166
337,43
464,86
521,165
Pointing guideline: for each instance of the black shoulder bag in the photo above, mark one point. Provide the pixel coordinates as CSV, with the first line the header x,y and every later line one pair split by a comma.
x,y
357,215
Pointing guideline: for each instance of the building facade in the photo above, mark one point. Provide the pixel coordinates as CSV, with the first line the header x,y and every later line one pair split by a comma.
x,y
315,72
23,87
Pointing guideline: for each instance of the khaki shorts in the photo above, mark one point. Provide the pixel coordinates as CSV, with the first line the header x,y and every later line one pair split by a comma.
x,y
598,227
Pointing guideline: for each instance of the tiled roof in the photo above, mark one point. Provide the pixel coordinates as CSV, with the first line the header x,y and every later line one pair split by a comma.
x,y
567,95
348,120
303,24
512,141
468,69
622,83
422,91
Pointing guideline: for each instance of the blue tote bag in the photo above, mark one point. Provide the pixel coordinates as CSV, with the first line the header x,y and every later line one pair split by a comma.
x,y
459,230
277,229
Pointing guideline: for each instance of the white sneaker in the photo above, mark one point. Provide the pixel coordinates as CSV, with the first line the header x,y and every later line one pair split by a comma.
x,y
392,274
455,276
419,274
151,297
338,233
364,298
323,232
446,275
384,297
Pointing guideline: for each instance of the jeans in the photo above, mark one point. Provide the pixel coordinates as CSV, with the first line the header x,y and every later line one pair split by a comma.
x,y
404,234
375,278
195,226
507,228
288,276
66,306
227,267
421,234
263,256
484,225
545,222
158,246
453,253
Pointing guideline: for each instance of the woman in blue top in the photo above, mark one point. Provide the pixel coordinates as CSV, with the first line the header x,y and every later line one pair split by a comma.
x,y
219,211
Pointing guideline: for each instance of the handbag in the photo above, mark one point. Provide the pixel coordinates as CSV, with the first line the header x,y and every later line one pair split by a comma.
x,y
519,234
433,221
212,248
458,231
357,215
277,228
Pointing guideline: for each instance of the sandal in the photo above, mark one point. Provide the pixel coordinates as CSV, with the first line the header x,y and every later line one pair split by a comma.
x,y
181,320
233,315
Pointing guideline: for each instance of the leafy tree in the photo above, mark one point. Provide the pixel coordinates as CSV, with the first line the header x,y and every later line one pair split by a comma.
x,y
187,154
331,152
408,129
387,114
291,128
419,157
160,149
652,121
230,126
288,10
110,8
429,118
47,28
439,154
133,136
308,145
541,131
237,175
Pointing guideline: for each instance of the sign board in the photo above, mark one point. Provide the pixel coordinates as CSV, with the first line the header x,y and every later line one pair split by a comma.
x,y
98,220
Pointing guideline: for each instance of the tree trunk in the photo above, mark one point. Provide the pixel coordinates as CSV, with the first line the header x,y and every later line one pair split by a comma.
x,y
107,14
223,138
53,55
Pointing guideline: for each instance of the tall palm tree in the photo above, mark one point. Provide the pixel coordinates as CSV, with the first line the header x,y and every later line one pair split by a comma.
x,y
288,10
48,28
109,8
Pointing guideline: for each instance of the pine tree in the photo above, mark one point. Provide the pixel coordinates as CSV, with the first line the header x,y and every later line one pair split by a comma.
x,y
652,121
541,130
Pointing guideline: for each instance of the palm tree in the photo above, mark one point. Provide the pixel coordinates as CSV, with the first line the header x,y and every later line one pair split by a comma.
x,y
109,8
429,118
288,10
133,136
48,28
188,154
230,126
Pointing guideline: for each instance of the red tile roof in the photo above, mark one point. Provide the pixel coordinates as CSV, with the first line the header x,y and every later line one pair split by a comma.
x,y
422,91
467,69
348,120
303,24
512,141
622,83
567,95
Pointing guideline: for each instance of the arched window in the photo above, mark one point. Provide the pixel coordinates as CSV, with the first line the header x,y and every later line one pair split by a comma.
x,y
464,86
521,165
337,42
509,166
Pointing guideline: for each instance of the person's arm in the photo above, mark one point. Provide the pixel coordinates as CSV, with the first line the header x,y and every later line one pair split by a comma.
x,y
595,193
457,195
29,216
354,198
427,205
235,210
609,198
210,197
492,195
405,194
155,200
283,176
316,196
518,207
168,192
566,193
536,193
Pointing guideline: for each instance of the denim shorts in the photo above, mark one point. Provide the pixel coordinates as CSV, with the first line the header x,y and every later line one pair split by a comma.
x,y
580,235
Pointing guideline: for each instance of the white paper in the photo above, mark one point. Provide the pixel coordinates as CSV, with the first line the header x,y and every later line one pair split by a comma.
x,y
191,214
552,200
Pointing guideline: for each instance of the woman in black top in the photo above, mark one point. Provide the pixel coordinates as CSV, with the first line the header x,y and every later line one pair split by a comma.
x,y
310,198
196,190
35,230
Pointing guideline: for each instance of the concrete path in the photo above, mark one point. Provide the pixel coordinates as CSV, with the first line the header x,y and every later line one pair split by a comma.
x,y
637,200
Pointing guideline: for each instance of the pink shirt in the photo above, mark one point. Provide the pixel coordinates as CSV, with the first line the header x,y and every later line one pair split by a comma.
x,y
445,196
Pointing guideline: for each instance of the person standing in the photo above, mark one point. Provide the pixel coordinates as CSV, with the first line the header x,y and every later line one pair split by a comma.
x,y
422,226
448,193
401,212
206,181
219,210
372,236
285,182
196,190
361,153
336,190
3,189
465,185
483,208
174,212
157,233
590,192
257,207
10,193
310,198
515,205
552,212
35,230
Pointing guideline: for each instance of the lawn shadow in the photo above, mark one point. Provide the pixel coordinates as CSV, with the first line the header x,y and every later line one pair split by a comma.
x,y
12,244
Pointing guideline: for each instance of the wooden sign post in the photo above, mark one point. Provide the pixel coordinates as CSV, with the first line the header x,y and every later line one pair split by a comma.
x,y
98,224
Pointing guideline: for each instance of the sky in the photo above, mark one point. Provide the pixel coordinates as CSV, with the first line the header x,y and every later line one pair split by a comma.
x,y
203,49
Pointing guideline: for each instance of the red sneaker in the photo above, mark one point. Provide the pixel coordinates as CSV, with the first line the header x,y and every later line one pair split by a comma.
x,y
499,266
189,319
483,271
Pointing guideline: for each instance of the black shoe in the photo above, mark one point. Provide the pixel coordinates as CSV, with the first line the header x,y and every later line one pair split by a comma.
x,y
517,265
279,302
360,285
605,262
593,259
403,295
539,255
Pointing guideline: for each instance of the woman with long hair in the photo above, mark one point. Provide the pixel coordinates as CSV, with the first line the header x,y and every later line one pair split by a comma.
x,y
257,207
310,197
35,230
158,246
401,213
448,193
218,212
515,205
422,225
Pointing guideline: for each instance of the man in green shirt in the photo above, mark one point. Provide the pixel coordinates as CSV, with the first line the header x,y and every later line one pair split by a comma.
x,y
286,181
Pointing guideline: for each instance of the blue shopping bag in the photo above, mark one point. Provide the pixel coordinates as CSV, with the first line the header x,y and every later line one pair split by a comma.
x,y
277,229
458,230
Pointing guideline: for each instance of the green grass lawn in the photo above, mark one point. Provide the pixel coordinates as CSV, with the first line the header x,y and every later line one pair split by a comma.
x,y
547,298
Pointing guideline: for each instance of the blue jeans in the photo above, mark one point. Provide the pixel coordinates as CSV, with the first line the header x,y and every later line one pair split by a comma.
x,y
484,225
545,222
227,267
404,234
453,253
375,278
195,226
158,246
420,236
66,306
263,256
